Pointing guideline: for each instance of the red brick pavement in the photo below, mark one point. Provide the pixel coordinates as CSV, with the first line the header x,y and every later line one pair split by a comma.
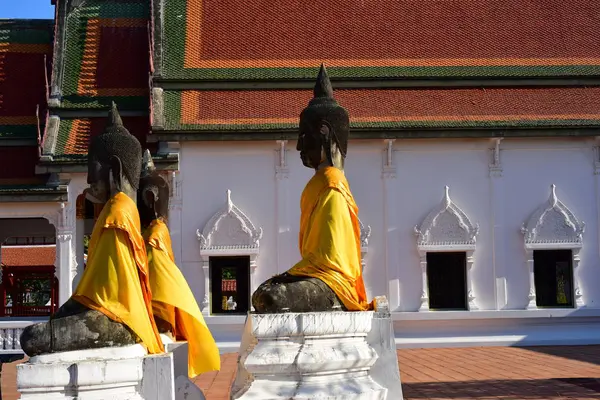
x,y
508,373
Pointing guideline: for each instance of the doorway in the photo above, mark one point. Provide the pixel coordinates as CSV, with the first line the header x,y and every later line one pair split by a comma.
x,y
230,285
447,280
553,278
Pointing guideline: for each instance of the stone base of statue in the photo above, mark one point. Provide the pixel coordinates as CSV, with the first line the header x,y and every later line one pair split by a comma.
x,y
316,355
184,388
115,373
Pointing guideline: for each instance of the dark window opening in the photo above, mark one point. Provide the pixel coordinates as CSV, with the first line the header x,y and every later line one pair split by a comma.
x,y
553,278
447,280
230,285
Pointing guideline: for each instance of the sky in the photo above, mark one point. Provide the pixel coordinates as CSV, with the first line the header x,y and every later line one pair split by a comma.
x,y
34,9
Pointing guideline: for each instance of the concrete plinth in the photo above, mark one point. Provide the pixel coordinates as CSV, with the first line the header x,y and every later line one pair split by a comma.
x,y
109,373
115,373
323,355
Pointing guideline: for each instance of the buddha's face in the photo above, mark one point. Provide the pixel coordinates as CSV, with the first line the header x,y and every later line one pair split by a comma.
x,y
99,181
310,146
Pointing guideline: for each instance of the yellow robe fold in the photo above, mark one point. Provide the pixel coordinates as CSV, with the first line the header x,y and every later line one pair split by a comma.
x,y
174,302
115,281
329,238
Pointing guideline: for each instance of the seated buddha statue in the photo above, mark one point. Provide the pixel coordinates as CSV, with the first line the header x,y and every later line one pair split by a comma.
x,y
111,305
329,276
174,306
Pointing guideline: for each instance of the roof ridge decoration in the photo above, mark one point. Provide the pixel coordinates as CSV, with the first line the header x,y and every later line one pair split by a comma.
x,y
553,224
446,226
230,229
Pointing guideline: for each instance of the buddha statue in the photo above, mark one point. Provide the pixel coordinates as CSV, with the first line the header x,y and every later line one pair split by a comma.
x,y
174,306
111,305
329,276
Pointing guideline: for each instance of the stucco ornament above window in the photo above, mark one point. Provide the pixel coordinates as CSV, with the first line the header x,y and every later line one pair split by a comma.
x,y
553,224
229,229
446,226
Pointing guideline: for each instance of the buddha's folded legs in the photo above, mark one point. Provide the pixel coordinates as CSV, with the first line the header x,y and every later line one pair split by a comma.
x,y
75,327
288,293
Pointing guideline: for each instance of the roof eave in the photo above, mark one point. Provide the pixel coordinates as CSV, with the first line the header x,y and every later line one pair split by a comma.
x,y
382,133
79,165
33,196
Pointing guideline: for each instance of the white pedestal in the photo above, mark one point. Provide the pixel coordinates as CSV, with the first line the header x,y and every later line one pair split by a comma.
x,y
109,373
115,373
385,371
185,389
322,355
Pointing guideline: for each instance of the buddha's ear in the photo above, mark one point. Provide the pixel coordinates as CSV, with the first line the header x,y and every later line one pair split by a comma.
x,y
325,131
116,174
150,198
327,140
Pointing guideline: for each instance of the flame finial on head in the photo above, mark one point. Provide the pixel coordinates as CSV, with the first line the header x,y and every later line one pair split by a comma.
x,y
323,86
147,163
114,118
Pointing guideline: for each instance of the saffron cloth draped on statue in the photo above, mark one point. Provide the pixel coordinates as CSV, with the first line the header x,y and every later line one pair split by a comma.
x,y
329,238
174,302
115,281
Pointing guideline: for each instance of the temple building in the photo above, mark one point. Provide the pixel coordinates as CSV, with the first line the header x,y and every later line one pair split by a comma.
x,y
473,157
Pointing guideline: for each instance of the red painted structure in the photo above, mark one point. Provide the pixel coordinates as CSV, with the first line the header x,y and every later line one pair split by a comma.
x,y
22,266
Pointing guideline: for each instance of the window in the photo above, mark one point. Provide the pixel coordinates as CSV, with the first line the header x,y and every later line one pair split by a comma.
x,y
230,284
553,277
446,280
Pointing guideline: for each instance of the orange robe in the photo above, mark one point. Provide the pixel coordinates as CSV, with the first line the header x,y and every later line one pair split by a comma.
x,y
115,281
329,238
174,302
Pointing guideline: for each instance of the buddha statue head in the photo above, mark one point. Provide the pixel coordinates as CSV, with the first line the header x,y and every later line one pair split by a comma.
x,y
114,161
153,193
324,128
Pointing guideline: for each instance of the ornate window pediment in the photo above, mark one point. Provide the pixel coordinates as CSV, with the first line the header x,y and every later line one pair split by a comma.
x,y
228,233
553,225
446,227
365,234
230,230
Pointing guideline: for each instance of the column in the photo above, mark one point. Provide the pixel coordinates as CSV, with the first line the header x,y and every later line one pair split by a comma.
x,y
65,264
390,203
425,286
206,301
497,219
470,295
79,233
283,224
576,272
532,305
175,210
576,281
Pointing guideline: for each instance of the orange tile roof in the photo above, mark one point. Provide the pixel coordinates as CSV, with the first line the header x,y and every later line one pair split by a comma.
x,y
25,57
221,38
25,256
233,108
233,31
74,135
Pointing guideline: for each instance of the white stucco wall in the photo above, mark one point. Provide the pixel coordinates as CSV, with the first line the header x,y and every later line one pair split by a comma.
x,y
423,168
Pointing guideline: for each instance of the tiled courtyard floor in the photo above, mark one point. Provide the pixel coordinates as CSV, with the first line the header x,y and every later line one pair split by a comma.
x,y
534,373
